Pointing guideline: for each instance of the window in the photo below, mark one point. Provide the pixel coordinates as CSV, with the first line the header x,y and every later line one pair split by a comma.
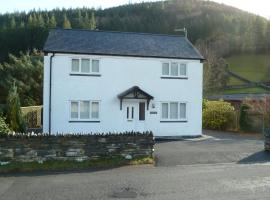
x,y
84,110
174,69
95,66
85,66
183,69
165,69
165,111
171,111
75,66
130,113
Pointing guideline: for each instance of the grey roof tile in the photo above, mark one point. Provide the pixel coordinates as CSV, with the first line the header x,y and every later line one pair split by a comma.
x,y
120,43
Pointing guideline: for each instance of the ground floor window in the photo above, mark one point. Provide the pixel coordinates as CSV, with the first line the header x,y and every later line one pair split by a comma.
x,y
84,110
174,111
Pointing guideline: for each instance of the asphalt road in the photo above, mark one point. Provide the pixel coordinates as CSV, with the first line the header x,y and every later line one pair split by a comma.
x,y
204,182
220,167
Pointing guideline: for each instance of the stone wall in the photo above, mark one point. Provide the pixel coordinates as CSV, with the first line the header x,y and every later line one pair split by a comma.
x,y
75,147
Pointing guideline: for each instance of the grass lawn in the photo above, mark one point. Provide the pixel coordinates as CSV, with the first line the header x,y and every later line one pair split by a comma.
x,y
246,90
73,165
255,67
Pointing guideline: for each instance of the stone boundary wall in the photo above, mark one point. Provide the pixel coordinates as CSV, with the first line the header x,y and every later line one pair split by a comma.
x,y
40,148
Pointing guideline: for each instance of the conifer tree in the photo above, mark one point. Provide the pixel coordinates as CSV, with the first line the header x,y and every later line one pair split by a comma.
x,y
66,23
52,22
14,113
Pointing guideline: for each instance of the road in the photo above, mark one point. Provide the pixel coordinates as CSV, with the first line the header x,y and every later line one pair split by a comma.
x,y
204,182
219,167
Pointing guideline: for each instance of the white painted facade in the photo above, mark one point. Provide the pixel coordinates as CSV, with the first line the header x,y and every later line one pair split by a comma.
x,y
118,74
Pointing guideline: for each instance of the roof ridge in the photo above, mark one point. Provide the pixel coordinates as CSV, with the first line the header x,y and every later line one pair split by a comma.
x,y
122,32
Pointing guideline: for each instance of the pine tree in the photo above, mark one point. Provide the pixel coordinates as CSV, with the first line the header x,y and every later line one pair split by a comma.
x,y
93,21
12,23
14,113
66,23
40,21
52,22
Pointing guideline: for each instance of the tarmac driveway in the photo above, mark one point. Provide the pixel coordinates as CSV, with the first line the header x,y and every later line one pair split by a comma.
x,y
214,147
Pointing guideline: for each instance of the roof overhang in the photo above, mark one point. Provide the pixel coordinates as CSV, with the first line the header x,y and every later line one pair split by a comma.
x,y
134,93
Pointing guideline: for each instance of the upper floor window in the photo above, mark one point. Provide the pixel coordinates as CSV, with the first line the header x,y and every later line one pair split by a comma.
x,y
174,69
171,111
85,66
84,110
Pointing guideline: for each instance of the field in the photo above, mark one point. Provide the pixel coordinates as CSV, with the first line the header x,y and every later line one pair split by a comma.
x,y
254,67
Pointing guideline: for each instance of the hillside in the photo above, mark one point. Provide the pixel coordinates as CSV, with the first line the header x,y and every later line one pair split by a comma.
x,y
254,67
226,29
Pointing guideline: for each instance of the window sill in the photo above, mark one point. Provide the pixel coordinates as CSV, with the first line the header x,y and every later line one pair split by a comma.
x,y
174,77
84,121
173,121
81,74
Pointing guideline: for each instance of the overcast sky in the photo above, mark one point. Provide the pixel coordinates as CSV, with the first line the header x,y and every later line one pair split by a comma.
x,y
260,7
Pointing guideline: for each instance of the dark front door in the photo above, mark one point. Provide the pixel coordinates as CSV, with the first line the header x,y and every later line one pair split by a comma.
x,y
142,111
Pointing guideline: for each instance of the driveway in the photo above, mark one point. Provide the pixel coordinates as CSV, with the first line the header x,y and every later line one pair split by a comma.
x,y
214,147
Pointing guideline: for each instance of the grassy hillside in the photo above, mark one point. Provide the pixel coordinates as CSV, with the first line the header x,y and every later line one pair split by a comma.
x,y
254,67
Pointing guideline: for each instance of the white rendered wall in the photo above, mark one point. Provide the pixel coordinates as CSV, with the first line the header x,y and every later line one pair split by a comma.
x,y
117,75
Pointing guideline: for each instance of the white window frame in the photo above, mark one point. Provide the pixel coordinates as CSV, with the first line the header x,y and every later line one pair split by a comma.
x,y
178,118
170,66
90,110
80,65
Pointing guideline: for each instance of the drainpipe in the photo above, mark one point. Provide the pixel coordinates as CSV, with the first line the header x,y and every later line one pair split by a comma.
x,y
50,93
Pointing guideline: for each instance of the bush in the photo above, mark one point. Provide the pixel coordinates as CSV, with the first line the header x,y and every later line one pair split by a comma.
x,y
244,121
14,113
4,129
217,115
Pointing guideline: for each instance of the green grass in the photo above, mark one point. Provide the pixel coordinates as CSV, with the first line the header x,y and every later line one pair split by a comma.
x,y
235,81
246,90
255,67
73,165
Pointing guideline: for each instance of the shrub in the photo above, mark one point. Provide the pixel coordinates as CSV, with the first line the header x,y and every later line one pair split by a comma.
x,y
14,113
244,121
217,114
4,129
261,107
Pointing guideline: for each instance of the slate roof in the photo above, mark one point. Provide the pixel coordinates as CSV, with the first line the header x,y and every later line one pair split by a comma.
x,y
79,41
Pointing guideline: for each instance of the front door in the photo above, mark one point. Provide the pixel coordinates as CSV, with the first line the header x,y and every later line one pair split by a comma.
x,y
134,115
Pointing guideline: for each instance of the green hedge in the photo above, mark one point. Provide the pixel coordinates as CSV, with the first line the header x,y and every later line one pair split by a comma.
x,y
217,115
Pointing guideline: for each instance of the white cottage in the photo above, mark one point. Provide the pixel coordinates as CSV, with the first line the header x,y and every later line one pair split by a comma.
x,y
101,81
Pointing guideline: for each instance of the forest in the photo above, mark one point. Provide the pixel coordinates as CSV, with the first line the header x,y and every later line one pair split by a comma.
x,y
222,29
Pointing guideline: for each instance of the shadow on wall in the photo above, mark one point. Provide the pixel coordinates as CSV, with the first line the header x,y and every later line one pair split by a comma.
x,y
258,157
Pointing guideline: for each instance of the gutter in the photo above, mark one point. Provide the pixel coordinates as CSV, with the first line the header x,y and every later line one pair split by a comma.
x,y
50,93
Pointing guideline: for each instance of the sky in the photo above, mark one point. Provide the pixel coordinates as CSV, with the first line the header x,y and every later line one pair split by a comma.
x,y
259,7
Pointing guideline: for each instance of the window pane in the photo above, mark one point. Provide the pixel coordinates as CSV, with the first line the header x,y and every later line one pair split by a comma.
x,y
173,110
74,110
165,110
84,109
174,69
183,110
85,66
165,68
95,66
95,110
75,65
183,69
